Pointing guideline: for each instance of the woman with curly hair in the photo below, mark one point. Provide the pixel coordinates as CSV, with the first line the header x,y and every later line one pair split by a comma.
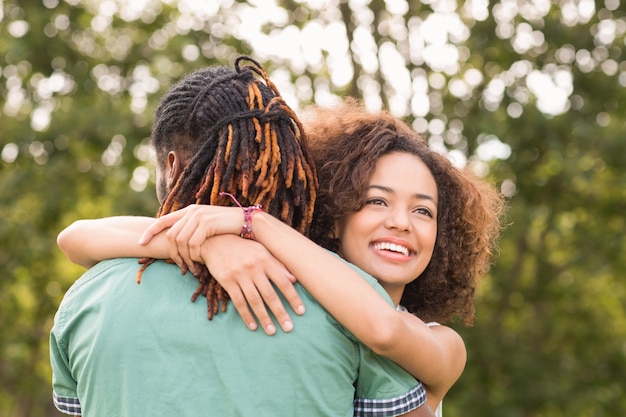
x,y
404,214
386,203
347,143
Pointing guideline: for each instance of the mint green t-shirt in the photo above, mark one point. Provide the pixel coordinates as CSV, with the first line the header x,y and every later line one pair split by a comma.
x,y
122,349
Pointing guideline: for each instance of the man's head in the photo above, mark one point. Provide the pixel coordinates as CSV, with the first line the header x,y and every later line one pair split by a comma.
x,y
220,129
174,145
223,130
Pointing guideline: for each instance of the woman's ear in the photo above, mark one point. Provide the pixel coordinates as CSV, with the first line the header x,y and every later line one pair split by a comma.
x,y
335,233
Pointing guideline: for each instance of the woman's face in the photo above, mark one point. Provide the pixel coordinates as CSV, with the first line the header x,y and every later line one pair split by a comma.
x,y
393,236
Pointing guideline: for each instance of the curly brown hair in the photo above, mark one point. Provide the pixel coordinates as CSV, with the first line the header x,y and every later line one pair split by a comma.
x,y
346,142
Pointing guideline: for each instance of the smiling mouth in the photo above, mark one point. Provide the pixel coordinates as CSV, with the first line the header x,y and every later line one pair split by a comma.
x,y
392,247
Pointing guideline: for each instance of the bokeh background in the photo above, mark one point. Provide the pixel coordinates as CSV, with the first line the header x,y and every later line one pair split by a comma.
x,y
530,93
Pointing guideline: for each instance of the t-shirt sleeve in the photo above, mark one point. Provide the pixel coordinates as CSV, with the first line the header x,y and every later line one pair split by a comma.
x,y
384,388
64,392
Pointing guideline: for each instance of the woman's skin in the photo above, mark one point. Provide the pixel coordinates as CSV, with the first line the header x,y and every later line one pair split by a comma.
x,y
251,263
392,238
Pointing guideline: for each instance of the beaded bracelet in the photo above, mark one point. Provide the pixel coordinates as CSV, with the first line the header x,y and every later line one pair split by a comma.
x,y
248,212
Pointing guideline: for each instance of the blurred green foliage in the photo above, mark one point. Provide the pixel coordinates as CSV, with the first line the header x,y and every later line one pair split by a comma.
x,y
541,83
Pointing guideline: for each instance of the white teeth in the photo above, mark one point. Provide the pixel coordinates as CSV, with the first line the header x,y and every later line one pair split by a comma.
x,y
391,247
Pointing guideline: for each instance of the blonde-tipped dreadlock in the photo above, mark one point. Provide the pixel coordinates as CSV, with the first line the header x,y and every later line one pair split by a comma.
x,y
242,138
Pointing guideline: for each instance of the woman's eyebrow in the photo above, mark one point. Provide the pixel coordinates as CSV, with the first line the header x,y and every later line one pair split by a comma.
x,y
419,196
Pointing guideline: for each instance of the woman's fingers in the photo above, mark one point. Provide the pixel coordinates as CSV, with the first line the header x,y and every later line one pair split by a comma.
x,y
284,280
173,248
245,267
255,301
162,223
264,295
241,305
179,237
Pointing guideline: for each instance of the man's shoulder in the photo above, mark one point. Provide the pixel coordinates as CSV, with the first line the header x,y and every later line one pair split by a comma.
x,y
99,272
115,281
367,277
104,268
120,265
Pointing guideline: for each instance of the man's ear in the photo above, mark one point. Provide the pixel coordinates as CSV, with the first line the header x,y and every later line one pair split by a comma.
x,y
174,168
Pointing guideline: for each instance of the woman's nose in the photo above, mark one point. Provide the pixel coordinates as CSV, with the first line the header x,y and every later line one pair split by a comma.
x,y
398,219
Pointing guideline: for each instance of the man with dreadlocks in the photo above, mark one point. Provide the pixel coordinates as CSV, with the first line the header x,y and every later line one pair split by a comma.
x,y
123,349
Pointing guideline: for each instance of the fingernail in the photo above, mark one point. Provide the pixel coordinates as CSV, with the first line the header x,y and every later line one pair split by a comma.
x,y
288,326
300,309
252,325
270,329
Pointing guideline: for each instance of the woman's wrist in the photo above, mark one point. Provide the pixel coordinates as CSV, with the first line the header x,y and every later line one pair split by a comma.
x,y
247,231
261,224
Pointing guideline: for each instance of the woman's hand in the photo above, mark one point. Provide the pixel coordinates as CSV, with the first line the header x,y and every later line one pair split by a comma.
x,y
191,226
245,273
246,270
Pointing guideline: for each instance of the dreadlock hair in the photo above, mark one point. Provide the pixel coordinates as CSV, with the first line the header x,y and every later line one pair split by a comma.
x,y
239,137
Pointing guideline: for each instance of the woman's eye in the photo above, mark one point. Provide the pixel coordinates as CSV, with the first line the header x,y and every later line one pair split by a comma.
x,y
424,211
375,201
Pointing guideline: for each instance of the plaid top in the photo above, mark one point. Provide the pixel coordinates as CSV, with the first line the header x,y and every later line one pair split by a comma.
x,y
362,407
67,405
392,406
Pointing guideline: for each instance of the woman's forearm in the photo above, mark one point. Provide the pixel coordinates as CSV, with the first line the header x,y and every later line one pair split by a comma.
x,y
354,303
87,242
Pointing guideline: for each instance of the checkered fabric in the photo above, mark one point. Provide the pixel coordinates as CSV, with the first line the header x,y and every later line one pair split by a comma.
x,y
67,405
390,407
